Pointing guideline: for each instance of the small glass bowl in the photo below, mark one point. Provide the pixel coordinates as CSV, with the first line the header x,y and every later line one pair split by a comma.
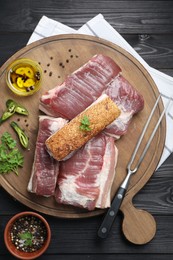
x,y
24,77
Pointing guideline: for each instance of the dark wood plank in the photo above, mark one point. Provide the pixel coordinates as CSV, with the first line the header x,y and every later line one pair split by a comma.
x,y
72,235
11,43
167,71
80,237
148,27
128,256
157,194
156,50
125,16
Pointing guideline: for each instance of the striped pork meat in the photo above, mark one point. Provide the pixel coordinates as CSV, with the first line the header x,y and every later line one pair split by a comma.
x,y
86,178
128,100
80,89
99,75
45,169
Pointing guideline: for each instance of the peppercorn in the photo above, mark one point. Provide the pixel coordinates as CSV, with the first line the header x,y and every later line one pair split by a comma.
x,y
28,234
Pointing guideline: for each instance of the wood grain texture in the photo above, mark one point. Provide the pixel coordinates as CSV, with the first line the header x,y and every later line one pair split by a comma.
x,y
132,70
147,26
158,192
72,237
156,50
155,197
102,257
125,16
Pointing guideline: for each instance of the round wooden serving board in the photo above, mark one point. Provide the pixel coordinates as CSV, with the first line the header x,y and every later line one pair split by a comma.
x,y
60,56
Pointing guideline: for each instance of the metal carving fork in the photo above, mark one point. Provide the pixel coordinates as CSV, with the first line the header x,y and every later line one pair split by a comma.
x,y
116,203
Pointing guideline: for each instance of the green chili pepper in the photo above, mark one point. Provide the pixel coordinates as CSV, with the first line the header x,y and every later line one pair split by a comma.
x,y
6,115
11,105
22,136
21,110
18,108
9,112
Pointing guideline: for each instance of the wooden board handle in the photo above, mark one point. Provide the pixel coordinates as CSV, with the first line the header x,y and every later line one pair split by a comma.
x,y
139,226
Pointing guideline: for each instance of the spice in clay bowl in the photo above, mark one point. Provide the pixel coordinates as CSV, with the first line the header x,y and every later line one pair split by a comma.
x,y
27,235
24,77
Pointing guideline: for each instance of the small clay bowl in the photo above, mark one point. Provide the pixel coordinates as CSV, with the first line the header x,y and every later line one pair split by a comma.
x,y
24,77
11,226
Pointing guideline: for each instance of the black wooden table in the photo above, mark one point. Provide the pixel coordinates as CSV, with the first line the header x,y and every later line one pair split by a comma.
x,y
148,27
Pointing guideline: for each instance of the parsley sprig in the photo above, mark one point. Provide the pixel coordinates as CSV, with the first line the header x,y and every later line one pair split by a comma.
x,y
27,238
85,123
10,157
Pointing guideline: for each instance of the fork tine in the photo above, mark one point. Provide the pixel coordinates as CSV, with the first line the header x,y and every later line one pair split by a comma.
x,y
143,133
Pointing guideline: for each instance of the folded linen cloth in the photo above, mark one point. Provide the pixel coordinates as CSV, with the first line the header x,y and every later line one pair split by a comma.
x,y
98,26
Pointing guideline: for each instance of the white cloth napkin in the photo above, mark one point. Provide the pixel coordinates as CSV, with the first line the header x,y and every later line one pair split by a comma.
x,y
98,26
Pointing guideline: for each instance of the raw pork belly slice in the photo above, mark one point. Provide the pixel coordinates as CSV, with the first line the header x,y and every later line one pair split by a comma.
x,y
128,100
80,89
45,169
85,179
84,86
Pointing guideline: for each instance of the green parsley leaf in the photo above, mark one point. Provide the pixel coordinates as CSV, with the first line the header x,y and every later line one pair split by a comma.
x,y
27,237
85,123
10,157
6,139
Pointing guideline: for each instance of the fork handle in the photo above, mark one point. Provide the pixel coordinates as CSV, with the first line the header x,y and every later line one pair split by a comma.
x,y
111,213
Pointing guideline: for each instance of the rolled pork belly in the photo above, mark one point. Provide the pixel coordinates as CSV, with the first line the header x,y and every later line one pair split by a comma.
x,y
82,128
